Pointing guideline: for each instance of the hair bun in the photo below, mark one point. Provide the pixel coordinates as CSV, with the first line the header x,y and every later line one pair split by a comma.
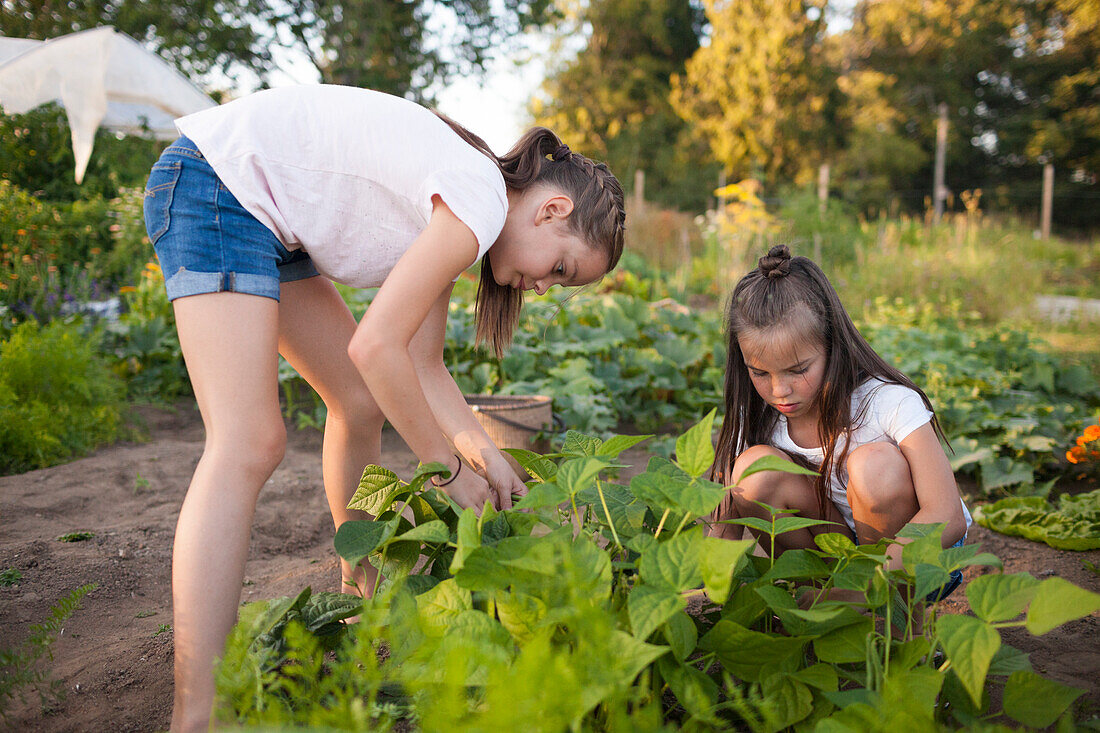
x,y
776,263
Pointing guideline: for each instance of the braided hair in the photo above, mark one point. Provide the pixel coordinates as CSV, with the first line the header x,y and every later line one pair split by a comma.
x,y
598,216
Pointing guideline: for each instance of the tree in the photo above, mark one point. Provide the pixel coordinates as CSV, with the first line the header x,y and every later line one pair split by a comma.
x,y
760,91
612,100
387,44
198,36
1019,78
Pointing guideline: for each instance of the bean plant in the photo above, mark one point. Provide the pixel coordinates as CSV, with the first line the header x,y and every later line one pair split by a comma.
x,y
598,604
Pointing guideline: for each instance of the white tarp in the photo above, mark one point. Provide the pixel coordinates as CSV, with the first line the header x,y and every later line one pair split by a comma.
x,y
102,78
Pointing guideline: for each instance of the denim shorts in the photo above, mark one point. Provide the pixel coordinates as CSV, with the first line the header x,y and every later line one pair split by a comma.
x,y
205,240
949,587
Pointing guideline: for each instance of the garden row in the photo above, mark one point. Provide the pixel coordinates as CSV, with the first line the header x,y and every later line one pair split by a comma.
x,y
601,606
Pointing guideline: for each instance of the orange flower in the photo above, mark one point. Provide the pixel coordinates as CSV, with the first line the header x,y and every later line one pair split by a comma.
x,y
1075,454
95,250
21,232
1092,432
127,289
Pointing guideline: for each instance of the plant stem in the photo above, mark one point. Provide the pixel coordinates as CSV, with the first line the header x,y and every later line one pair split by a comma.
x,y
681,525
599,490
661,524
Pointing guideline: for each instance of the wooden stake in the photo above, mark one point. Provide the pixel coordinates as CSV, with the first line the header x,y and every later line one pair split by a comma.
x,y
1048,200
822,186
939,190
639,191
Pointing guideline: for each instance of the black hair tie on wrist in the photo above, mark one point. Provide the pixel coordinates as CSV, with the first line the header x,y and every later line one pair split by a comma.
x,y
453,475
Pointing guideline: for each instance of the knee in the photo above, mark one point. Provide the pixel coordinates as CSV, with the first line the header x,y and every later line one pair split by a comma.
x,y
357,412
758,486
878,476
257,451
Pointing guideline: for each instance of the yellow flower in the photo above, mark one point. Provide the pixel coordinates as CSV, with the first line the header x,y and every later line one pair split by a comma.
x,y
95,250
21,232
127,289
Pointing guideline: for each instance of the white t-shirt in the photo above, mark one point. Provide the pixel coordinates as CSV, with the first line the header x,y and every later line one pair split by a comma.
x,y
347,174
881,413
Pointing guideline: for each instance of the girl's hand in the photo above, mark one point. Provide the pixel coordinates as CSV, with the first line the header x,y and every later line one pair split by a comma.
x,y
504,480
470,491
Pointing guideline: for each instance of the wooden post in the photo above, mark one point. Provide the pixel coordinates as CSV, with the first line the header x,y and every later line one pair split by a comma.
x,y
822,186
939,191
639,191
721,200
1048,200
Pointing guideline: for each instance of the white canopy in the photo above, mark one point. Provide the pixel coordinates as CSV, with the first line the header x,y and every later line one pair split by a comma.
x,y
102,78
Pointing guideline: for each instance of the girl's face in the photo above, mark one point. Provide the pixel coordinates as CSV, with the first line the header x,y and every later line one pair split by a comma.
x,y
787,372
536,248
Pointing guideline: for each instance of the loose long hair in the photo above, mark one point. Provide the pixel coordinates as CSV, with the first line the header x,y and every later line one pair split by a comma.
x,y
786,292
598,216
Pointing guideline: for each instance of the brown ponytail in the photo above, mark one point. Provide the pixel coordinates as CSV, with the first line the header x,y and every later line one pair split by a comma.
x,y
598,217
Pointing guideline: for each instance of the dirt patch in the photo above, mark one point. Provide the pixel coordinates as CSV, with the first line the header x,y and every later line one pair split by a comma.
x,y
114,657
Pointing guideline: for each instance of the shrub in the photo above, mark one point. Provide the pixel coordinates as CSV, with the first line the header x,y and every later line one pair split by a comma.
x,y
57,398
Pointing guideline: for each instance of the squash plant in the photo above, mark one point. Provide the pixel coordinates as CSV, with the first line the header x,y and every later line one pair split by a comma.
x,y
571,611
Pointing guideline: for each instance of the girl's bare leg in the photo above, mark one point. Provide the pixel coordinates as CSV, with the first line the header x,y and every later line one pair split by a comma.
x,y
880,491
784,491
229,344
315,328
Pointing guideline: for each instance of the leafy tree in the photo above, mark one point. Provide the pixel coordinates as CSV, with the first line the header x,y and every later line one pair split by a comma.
x,y
1019,78
760,91
388,45
198,37
612,100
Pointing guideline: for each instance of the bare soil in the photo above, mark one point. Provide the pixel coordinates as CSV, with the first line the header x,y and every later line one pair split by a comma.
x,y
114,656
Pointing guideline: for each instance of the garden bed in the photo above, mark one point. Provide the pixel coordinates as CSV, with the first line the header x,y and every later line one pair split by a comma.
x,y
114,657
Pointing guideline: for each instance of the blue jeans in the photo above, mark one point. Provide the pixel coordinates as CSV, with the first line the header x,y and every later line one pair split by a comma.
x,y
949,587
205,240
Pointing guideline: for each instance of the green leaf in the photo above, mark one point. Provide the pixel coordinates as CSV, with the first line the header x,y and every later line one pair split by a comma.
x,y
521,614
541,468
434,531
821,676
970,645
440,606
745,653
1057,602
468,539
744,607
789,701
357,539
616,444
377,490
1007,660
775,463
578,474
695,448
845,645
797,563
835,544
697,692
998,597
648,607
325,608
680,633
719,559
1037,702
676,564
542,495
579,444
791,524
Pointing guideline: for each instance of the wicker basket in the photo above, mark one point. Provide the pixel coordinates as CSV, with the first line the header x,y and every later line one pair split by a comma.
x,y
514,421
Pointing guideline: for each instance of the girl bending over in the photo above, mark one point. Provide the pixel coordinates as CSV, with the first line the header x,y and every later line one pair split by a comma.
x,y
254,212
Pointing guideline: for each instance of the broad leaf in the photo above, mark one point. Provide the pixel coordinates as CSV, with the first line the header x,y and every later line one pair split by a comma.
x,y
1057,602
648,607
439,606
695,448
378,487
578,474
542,495
1037,702
775,463
720,557
468,539
697,692
434,531
680,633
846,644
1001,597
616,444
744,653
676,564
356,539
970,645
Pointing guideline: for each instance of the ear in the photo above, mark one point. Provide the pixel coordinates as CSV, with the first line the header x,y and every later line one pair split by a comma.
x,y
556,207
